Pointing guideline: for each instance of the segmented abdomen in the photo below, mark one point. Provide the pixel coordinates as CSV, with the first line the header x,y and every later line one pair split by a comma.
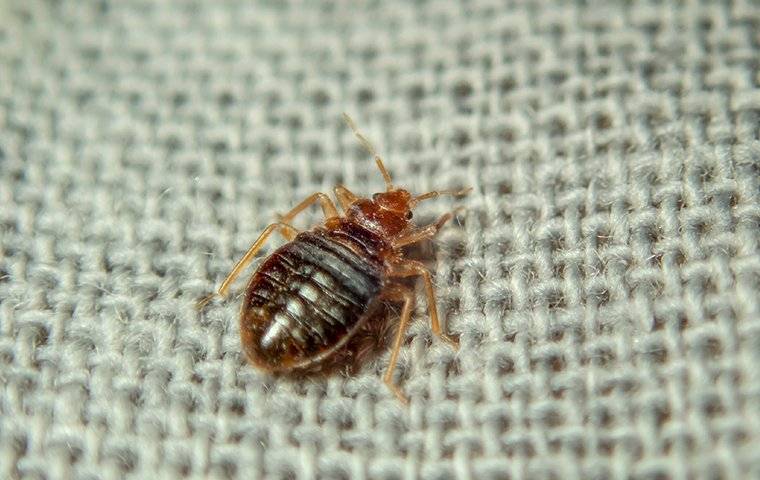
x,y
304,299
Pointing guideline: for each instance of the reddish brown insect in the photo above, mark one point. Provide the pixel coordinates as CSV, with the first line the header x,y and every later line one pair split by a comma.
x,y
312,295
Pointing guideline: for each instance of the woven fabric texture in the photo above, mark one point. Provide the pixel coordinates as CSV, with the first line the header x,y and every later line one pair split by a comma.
x,y
604,278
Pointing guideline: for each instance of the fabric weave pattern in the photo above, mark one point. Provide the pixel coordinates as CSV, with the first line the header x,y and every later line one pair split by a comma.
x,y
604,278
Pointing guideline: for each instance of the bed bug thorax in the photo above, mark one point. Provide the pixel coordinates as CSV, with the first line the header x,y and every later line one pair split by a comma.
x,y
314,293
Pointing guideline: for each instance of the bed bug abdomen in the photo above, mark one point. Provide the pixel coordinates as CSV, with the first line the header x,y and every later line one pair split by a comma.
x,y
307,300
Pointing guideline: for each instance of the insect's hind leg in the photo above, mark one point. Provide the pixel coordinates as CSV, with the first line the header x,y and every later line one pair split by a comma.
x,y
287,231
398,293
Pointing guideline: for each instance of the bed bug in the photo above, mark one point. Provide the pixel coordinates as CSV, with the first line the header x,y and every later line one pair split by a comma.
x,y
308,298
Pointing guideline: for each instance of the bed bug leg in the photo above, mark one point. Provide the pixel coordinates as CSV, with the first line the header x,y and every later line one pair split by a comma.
x,y
413,268
328,207
400,294
428,231
345,197
251,253
287,231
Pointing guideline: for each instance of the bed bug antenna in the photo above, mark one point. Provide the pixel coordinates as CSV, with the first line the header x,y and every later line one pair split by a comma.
x,y
438,193
368,146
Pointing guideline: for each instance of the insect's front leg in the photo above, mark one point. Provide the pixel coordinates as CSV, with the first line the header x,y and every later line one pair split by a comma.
x,y
423,233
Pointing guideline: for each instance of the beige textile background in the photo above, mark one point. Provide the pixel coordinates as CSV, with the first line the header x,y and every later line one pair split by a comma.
x,y
604,279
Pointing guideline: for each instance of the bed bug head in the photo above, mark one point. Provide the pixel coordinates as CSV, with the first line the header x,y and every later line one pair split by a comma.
x,y
390,212
400,201
387,213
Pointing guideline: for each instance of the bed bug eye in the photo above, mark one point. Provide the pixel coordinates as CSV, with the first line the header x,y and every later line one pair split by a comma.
x,y
409,215
375,196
